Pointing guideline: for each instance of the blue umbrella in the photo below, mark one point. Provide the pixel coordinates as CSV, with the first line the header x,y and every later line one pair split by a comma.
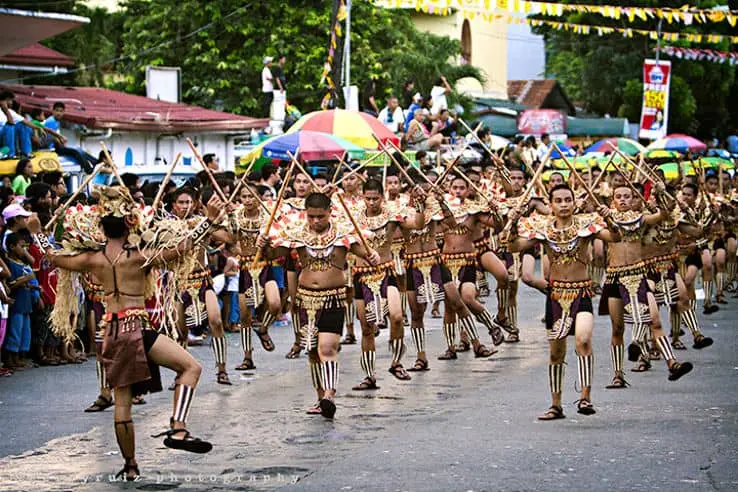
x,y
568,152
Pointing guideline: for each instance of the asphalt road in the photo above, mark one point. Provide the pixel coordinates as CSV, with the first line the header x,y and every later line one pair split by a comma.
x,y
465,425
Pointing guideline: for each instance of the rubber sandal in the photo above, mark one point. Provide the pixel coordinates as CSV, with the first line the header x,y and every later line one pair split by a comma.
x,y
327,408
679,369
419,366
400,373
138,400
482,352
512,338
585,407
100,404
701,342
678,345
553,413
448,355
642,366
618,382
366,384
246,365
314,410
349,340
187,443
265,339
463,346
294,352
222,378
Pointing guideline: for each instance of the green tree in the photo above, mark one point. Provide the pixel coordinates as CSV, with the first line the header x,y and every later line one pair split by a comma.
x,y
220,45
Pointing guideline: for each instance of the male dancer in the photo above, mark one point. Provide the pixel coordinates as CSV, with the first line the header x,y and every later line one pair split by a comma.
x,y
460,272
376,286
256,285
626,295
689,262
398,200
132,351
322,245
352,196
566,237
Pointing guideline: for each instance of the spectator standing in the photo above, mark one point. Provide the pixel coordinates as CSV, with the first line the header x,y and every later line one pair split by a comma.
x,y
410,113
392,116
278,73
369,104
212,161
270,178
543,146
23,175
232,273
438,95
18,338
267,87
407,93
5,369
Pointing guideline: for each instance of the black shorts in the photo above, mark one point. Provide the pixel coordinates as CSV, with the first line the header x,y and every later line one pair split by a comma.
x,y
331,320
718,244
445,274
694,259
730,235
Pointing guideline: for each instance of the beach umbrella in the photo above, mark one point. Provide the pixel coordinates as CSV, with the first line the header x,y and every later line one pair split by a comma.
x,y
671,170
679,142
546,175
356,127
314,146
715,162
567,151
661,154
624,145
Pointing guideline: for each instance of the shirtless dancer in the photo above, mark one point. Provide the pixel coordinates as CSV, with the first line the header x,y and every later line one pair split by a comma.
x,y
566,237
322,245
460,271
376,286
256,285
352,196
198,287
132,350
626,295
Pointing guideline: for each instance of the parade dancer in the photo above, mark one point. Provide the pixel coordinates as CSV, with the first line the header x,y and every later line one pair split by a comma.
x,y
398,200
198,303
352,196
376,286
460,271
257,284
322,245
626,296
689,263
566,238
132,350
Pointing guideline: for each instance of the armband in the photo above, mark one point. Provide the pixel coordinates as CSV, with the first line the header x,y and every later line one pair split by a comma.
x,y
201,230
42,241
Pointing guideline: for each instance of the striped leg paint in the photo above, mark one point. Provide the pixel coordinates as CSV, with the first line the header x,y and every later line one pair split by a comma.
x,y
418,334
585,364
665,349
329,374
555,378
398,350
709,286
403,303
315,374
674,322
720,282
350,313
617,356
183,395
219,349
267,320
367,363
246,344
102,380
449,332
689,317
467,323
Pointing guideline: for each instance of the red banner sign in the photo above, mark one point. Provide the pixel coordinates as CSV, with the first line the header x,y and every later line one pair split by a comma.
x,y
540,121
655,111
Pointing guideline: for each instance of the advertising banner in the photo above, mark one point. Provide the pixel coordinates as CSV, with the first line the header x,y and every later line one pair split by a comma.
x,y
655,110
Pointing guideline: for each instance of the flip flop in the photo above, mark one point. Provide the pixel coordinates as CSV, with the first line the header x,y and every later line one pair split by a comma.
x,y
265,339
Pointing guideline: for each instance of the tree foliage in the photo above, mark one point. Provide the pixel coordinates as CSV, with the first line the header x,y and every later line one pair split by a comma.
x,y
220,45
604,73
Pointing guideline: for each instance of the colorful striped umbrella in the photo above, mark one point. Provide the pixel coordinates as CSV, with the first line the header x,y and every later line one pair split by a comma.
x,y
353,126
678,142
314,146
661,154
671,170
588,161
714,162
624,145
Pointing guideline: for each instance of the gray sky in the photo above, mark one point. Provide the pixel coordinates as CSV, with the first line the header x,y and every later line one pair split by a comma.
x,y
525,53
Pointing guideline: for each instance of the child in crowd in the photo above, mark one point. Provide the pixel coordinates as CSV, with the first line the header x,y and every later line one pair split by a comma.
x,y
25,295
232,274
5,302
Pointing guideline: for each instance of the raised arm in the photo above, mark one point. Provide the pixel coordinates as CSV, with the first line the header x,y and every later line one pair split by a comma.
x,y
78,263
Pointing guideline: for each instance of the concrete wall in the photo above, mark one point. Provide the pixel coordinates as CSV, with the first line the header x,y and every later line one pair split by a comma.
x,y
488,44
139,149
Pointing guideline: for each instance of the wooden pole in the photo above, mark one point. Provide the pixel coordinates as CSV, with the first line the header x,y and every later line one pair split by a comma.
x,y
277,205
60,211
497,160
578,176
207,170
353,222
524,197
160,193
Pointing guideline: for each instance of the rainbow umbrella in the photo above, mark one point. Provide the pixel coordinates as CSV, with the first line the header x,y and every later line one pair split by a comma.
x,y
314,146
624,145
678,142
714,162
358,128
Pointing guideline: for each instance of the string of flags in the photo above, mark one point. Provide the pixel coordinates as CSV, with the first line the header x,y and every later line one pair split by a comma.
x,y
700,54
686,15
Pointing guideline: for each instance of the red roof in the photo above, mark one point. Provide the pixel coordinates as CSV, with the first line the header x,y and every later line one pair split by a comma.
x,y
37,55
102,108
539,94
